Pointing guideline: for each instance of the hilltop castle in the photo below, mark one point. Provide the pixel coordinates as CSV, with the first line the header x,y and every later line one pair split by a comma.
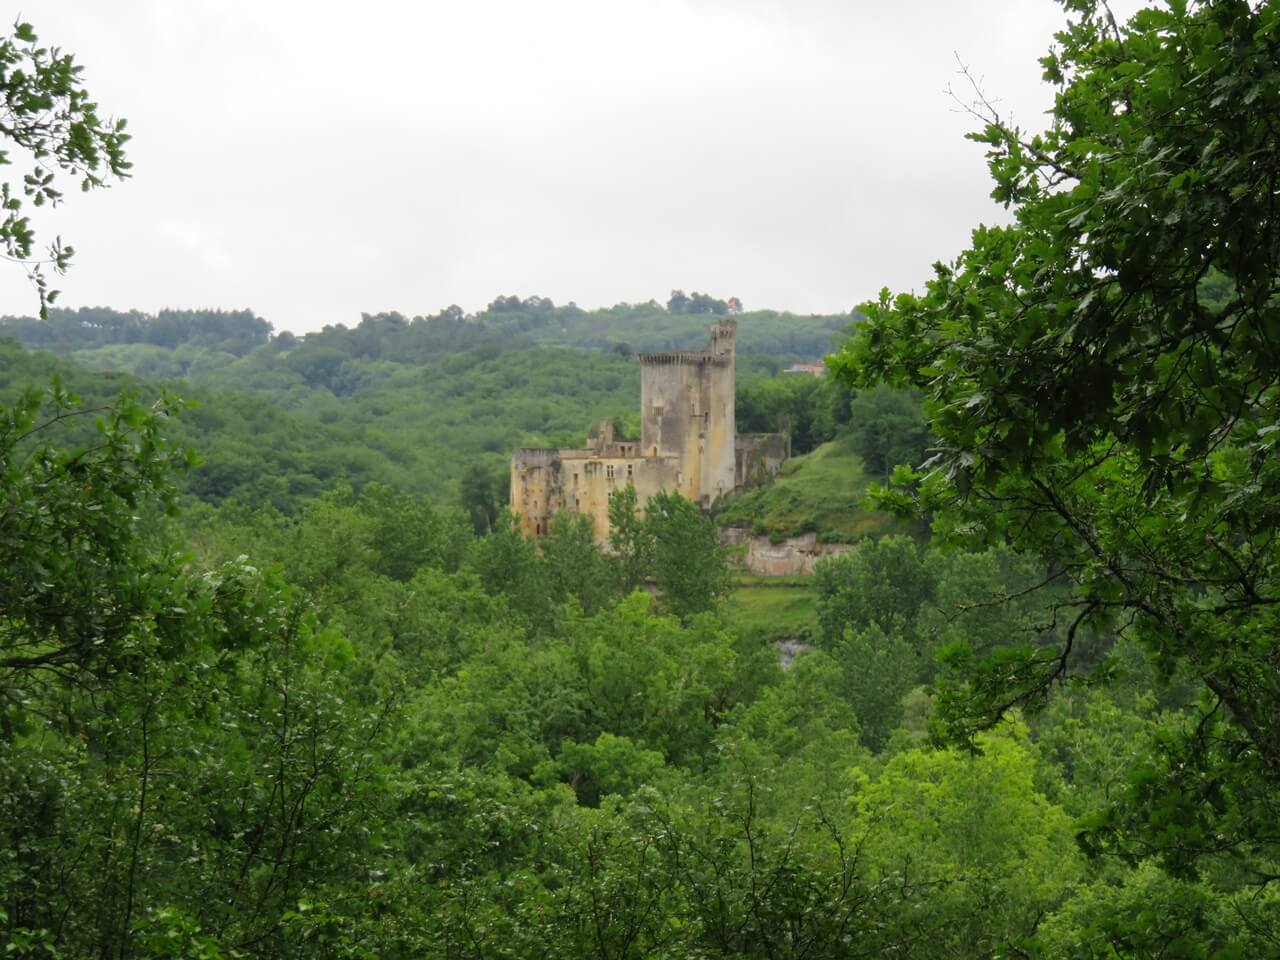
x,y
688,444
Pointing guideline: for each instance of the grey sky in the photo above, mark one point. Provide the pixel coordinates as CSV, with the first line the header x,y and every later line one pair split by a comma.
x,y
310,160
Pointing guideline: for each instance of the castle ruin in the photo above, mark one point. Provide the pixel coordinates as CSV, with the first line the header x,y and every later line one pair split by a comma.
x,y
688,444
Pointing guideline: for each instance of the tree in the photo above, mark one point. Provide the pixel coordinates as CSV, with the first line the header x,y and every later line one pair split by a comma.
x,y
690,566
996,851
409,533
887,428
696,303
79,582
883,583
808,409
47,114
879,669
1100,401
675,546
508,564
632,550
157,721
318,366
575,565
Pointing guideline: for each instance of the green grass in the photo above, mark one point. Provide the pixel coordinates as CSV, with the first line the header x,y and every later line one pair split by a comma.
x,y
820,492
774,608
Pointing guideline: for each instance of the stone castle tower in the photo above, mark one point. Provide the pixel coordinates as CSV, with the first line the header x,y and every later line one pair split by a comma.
x,y
687,413
688,443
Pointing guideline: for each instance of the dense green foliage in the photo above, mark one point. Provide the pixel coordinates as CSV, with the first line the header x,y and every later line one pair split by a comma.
x,y
267,437
91,328
383,400
810,410
1103,381
283,704
388,736
508,323
445,429
887,428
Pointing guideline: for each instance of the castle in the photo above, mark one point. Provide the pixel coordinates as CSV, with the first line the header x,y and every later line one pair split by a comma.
x,y
688,444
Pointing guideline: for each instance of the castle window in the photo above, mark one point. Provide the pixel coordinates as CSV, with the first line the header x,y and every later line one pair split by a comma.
x,y
575,478
608,472
628,471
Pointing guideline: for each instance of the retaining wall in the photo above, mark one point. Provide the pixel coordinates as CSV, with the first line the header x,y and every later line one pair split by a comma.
x,y
789,557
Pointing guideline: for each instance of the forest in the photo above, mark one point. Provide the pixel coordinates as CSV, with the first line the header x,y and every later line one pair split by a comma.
x,y
415,403
280,678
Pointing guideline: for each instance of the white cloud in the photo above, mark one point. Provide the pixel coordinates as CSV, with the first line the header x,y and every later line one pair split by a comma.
x,y
205,240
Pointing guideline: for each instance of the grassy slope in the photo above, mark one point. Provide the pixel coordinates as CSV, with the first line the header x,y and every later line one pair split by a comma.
x,y
774,608
820,492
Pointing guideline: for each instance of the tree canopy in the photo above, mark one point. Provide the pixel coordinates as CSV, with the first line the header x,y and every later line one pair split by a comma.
x,y
1102,378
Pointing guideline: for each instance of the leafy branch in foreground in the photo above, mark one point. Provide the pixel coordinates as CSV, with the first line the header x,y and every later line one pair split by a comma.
x,y
46,113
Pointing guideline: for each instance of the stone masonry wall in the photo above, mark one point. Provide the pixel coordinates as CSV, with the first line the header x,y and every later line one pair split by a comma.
x,y
791,557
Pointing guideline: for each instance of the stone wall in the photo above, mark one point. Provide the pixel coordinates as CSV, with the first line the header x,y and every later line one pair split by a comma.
x,y
535,487
720,423
687,412
671,421
544,482
788,558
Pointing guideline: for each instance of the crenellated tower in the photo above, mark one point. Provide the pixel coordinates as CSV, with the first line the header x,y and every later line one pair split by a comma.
x,y
687,413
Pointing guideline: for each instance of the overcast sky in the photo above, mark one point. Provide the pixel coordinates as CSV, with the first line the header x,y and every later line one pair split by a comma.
x,y
312,160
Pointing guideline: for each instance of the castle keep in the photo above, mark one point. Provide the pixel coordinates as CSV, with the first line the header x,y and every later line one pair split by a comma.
x,y
688,444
